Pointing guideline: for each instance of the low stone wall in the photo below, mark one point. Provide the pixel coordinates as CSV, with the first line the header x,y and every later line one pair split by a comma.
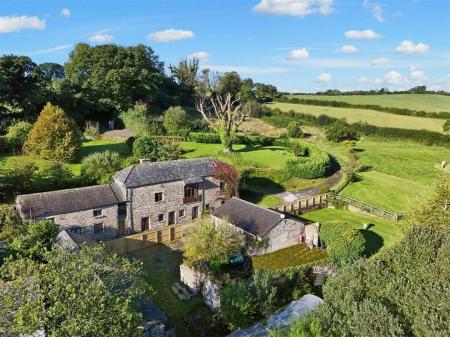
x,y
199,282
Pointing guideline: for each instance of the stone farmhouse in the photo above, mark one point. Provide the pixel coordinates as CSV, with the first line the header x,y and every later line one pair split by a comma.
x,y
273,229
145,196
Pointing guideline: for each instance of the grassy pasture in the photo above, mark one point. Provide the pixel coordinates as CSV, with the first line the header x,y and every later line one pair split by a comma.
x,y
418,102
372,117
381,233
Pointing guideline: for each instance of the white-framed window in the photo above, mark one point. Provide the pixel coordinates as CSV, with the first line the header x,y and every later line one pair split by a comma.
x,y
97,212
98,228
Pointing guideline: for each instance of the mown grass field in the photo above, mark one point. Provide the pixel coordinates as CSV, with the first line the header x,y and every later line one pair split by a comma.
x,y
418,102
396,173
372,117
381,233
289,257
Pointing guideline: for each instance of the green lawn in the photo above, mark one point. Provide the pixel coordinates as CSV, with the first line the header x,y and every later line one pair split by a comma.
x,y
273,157
373,117
397,172
382,233
428,103
161,267
288,257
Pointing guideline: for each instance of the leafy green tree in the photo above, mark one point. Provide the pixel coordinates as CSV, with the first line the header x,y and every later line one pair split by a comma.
x,y
52,71
306,327
136,119
18,176
10,221
57,175
150,148
295,129
18,134
215,243
340,131
57,297
446,126
99,167
186,72
114,77
246,92
175,121
265,291
54,136
34,239
24,89
229,83
344,243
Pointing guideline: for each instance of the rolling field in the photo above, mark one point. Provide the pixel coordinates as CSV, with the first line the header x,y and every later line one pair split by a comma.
x,y
428,103
395,173
373,117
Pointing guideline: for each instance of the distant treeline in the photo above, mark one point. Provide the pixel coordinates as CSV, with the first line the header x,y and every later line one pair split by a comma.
x,y
280,119
339,104
421,89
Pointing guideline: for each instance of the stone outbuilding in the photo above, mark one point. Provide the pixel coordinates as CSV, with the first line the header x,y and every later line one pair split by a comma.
x,y
273,229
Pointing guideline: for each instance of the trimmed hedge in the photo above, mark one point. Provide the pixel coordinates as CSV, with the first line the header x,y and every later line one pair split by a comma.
x,y
339,104
214,138
315,165
205,137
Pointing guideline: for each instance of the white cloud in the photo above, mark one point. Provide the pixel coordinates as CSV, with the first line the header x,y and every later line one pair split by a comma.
x,y
298,54
408,47
417,75
347,48
249,70
392,78
380,61
100,38
10,24
324,78
51,50
376,10
170,35
65,12
367,34
298,8
202,56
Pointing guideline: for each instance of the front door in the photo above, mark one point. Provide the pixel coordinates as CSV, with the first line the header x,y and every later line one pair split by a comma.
x,y
195,212
171,218
144,224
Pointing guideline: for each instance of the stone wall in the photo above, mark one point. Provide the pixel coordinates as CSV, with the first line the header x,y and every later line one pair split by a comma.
x,y
86,221
143,203
287,233
198,282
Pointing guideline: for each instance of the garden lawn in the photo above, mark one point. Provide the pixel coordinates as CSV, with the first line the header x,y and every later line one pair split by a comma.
x,y
382,232
162,269
372,117
418,102
272,157
289,257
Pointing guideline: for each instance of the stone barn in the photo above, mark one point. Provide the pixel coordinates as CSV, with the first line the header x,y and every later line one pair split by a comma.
x,y
273,229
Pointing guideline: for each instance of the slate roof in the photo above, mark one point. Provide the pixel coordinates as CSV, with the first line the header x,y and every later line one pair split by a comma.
x,y
150,173
69,200
251,218
72,241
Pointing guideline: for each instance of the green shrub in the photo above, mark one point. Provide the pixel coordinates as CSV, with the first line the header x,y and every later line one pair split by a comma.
x,y
91,132
57,175
294,129
344,243
300,150
446,126
340,131
205,137
99,167
151,148
315,165
18,134
175,121
136,120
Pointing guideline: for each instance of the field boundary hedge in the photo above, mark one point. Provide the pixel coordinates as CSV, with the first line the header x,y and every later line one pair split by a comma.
x,y
279,119
339,104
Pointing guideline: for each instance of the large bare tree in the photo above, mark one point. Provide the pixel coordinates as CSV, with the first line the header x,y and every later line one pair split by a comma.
x,y
223,114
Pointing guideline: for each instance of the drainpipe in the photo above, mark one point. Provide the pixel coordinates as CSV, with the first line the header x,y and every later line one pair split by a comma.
x,y
203,194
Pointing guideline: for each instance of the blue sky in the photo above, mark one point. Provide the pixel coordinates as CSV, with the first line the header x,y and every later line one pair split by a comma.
x,y
297,45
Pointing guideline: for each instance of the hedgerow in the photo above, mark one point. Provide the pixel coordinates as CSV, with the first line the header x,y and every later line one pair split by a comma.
x,y
315,165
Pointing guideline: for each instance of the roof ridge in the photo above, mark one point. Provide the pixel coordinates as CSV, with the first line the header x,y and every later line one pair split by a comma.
x,y
259,206
63,190
112,190
128,175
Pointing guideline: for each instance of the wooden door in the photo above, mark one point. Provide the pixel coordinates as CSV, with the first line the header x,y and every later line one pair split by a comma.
x,y
171,220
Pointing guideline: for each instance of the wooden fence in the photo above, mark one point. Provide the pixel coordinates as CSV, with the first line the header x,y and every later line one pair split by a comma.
x,y
303,204
363,206
145,239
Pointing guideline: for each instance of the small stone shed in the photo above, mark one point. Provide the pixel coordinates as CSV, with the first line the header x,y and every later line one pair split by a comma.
x,y
261,223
